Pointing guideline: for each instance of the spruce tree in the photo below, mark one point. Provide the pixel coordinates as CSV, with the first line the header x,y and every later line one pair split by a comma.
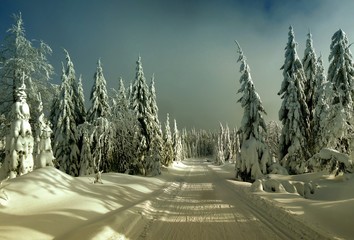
x,y
168,153
19,141
310,69
43,148
321,102
81,110
340,75
87,163
156,132
177,143
98,97
140,104
77,98
66,151
254,157
295,131
220,158
103,135
126,127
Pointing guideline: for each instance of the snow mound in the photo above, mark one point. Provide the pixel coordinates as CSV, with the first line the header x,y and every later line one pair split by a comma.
x,y
278,185
331,161
47,195
179,165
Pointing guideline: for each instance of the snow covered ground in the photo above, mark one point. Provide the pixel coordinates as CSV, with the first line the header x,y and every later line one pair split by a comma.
x,y
191,200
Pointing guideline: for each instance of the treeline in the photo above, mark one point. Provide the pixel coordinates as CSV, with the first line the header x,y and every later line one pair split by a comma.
x,y
120,131
316,114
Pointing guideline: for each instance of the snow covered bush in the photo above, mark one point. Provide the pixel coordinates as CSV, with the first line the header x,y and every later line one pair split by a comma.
x,y
273,184
254,160
330,161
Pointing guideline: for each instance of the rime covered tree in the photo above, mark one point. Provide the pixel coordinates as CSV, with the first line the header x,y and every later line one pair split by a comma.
x,y
220,157
293,113
81,110
168,153
43,146
254,157
338,121
177,143
140,104
78,97
310,69
103,136
322,97
155,131
126,128
98,97
66,151
19,141
87,163
19,56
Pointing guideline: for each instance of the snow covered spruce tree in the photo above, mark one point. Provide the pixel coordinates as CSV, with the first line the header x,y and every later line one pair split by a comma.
x,y
254,157
126,128
43,147
156,132
87,163
310,69
98,115
177,143
235,144
322,97
66,151
341,75
273,138
293,113
19,141
220,157
335,116
19,56
227,143
140,104
78,96
168,153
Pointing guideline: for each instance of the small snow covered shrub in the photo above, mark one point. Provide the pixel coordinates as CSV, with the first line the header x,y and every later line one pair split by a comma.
x,y
331,161
253,161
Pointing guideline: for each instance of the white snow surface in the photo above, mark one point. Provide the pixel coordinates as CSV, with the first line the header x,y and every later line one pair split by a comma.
x,y
192,199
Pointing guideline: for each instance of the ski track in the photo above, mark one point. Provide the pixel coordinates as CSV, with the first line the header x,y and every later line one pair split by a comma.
x,y
201,203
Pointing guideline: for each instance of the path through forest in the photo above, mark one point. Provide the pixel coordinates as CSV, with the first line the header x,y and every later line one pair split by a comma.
x,y
201,201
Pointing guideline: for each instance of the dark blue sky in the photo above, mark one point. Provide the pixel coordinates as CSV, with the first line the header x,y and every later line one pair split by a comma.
x,y
189,45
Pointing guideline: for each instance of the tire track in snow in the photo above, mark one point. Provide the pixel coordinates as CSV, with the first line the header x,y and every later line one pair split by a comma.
x,y
201,207
281,222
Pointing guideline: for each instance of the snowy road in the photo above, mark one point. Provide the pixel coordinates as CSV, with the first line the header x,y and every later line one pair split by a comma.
x,y
197,201
201,203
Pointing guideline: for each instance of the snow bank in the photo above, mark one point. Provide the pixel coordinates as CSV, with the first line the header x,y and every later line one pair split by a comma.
x,y
48,203
331,161
276,184
319,199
